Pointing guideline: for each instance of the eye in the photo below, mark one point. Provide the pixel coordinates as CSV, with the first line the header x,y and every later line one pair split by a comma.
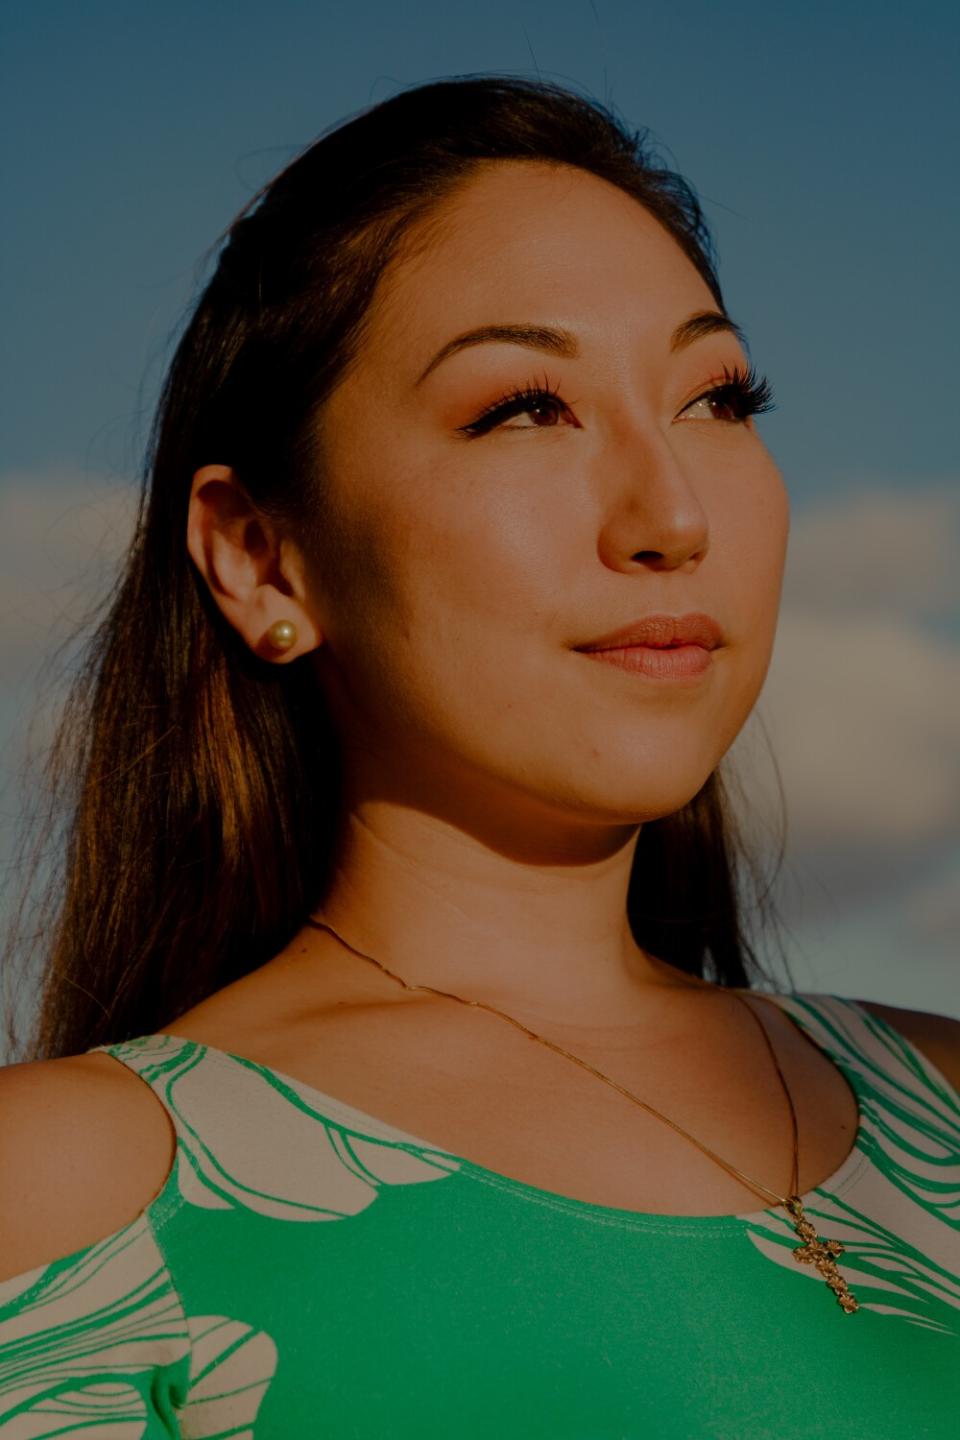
x,y
739,395
533,399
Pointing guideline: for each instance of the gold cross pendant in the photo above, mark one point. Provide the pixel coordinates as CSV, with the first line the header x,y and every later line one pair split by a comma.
x,y
821,1253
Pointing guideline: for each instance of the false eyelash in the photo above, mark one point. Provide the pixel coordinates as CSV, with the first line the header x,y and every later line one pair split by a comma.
x,y
753,392
514,403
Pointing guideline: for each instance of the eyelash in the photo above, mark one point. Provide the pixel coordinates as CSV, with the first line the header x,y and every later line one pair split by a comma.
x,y
747,391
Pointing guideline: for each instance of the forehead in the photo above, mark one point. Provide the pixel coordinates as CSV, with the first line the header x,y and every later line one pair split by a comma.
x,y
530,241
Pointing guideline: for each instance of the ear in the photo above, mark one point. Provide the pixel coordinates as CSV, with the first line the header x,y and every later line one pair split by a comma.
x,y
255,576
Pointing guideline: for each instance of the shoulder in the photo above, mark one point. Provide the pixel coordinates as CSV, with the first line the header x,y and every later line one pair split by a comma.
x,y
936,1036
86,1145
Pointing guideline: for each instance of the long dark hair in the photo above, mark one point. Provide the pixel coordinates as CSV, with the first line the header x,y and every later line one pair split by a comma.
x,y
197,786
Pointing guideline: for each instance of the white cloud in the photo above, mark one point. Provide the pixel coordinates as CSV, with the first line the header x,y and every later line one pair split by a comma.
x,y
861,711
862,701
861,707
876,552
933,907
877,951
62,536
863,717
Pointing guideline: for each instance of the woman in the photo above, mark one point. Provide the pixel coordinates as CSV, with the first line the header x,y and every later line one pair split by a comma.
x,y
379,785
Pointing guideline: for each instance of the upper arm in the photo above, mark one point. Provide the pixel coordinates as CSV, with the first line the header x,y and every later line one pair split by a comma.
x,y
936,1036
85,1146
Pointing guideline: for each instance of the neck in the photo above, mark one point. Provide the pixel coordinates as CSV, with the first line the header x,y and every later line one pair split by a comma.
x,y
546,942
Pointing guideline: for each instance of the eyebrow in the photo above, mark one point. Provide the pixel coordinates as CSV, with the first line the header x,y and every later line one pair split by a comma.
x,y
560,342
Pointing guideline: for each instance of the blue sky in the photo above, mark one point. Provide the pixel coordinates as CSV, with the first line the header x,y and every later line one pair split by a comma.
x,y
822,141
820,137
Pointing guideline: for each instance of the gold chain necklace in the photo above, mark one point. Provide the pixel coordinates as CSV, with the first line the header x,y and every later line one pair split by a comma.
x,y
814,1250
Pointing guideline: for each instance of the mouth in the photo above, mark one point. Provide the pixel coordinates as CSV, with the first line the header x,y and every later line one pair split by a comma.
x,y
658,662
661,632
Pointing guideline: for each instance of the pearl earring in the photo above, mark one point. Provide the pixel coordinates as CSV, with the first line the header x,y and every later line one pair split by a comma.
x,y
282,634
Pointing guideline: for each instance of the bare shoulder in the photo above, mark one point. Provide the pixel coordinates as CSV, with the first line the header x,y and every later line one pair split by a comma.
x,y
86,1146
937,1036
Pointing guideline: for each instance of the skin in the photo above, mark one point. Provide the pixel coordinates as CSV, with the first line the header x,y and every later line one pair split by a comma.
x,y
496,780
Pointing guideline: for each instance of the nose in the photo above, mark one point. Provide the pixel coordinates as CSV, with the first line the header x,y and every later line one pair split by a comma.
x,y
653,514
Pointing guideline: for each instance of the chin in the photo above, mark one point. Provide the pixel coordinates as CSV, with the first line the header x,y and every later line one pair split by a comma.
x,y
624,794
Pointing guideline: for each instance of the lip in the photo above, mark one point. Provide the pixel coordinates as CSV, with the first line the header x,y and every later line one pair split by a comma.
x,y
661,632
659,662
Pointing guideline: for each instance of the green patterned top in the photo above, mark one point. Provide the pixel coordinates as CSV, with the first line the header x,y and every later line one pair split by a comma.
x,y
308,1271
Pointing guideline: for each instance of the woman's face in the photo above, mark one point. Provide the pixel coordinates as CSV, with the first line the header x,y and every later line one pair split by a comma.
x,y
470,564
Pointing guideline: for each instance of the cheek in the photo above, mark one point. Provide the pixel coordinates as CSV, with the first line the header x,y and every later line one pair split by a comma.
x,y
477,564
436,608
749,517
750,542
459,607
760,546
